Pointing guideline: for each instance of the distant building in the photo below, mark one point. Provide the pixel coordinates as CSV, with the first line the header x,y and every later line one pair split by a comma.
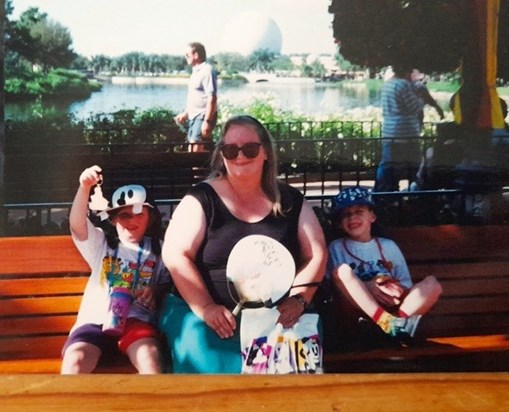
x,y
250,31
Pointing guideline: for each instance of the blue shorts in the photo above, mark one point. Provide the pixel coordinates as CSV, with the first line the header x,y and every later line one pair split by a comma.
x,y
196,348
194,129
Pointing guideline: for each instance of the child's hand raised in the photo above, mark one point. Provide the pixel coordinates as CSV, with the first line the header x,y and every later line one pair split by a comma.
x,y
90,177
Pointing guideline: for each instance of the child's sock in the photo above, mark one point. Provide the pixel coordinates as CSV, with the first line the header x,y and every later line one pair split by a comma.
x,y
384,320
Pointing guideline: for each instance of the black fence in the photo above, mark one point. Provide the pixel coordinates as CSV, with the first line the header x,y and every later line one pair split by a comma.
x,y
41,177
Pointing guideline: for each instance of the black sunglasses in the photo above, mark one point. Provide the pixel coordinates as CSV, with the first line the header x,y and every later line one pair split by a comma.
x,y
231,151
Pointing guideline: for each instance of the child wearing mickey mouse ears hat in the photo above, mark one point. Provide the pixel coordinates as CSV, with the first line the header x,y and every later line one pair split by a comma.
x,y
372,271
126,263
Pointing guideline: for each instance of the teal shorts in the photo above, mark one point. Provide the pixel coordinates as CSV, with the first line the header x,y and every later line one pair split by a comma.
x,y
194,347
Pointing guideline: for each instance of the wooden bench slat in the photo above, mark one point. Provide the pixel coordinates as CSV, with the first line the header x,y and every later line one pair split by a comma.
x,y
52,366
474,304
453,324
42,305
33,366
475,287
446,241
36,325
42,286
452,346
454,270
37,347
42,254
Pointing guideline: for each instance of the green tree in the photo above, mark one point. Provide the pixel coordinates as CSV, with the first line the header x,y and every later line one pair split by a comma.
x,y
174,63
262,60
344,64
40,40
231,63
80,63
318,69
283,63
377,33
100,63
432,35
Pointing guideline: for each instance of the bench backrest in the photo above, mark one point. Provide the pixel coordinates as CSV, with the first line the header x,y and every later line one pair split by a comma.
x,y
41,283
472,265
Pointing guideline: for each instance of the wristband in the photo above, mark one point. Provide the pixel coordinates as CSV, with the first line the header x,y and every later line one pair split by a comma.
x,y
299,298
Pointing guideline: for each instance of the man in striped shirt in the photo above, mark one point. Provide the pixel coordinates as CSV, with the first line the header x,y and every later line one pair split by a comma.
x,y
401,127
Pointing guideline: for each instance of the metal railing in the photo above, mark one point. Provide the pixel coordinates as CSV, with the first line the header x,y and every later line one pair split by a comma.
x,y
319,158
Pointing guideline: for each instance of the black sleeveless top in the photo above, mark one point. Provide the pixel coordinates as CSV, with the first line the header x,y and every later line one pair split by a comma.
x,y
224,230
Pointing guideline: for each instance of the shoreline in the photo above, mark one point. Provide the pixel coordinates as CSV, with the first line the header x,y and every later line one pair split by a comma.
x,y
161,80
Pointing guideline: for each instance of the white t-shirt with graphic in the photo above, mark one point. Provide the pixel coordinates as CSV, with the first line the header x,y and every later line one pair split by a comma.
x,y
369,259
120,267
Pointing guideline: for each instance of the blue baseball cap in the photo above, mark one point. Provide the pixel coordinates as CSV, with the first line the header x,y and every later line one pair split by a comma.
x,y
352,196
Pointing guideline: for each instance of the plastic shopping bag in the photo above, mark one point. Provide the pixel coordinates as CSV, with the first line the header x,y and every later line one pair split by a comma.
x,y
267,348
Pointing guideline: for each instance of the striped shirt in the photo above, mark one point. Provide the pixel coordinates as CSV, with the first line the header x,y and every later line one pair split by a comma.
x,y
400,108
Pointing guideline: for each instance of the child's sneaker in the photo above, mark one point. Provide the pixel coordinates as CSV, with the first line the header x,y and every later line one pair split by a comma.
x,y
404,327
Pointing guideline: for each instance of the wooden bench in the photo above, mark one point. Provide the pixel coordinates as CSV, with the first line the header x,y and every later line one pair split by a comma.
x,y
42,280
468,328
41,284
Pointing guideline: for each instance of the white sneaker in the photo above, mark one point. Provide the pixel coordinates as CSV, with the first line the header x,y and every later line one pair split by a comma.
x,y
403,327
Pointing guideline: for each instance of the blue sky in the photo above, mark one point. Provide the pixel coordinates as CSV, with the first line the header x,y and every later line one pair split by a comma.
x,y
114,27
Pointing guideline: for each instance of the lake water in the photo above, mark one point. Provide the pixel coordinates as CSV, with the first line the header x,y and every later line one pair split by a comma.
x,y
308,98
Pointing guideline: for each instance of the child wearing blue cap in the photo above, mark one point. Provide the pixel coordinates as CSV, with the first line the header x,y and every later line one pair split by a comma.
x,y
372,271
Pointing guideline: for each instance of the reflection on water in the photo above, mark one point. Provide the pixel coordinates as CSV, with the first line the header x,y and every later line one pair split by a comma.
x,y
309,98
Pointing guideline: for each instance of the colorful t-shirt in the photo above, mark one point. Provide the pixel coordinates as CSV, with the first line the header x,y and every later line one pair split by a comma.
x,y
369,259
132,268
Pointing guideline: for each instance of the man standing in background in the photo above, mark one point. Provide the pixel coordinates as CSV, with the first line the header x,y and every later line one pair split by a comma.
x,y
401,128
201,107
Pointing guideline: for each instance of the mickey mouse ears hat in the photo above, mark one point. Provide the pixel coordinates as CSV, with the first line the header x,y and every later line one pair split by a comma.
x,y
130,195
352,196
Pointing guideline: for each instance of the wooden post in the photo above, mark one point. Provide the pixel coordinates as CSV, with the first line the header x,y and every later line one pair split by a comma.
x,y
477,106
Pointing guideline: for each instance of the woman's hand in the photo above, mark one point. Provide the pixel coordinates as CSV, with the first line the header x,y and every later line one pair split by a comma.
x,y
220,319
290,310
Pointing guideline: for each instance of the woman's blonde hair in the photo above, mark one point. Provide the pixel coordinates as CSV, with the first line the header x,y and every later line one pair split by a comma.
x,y
269,175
